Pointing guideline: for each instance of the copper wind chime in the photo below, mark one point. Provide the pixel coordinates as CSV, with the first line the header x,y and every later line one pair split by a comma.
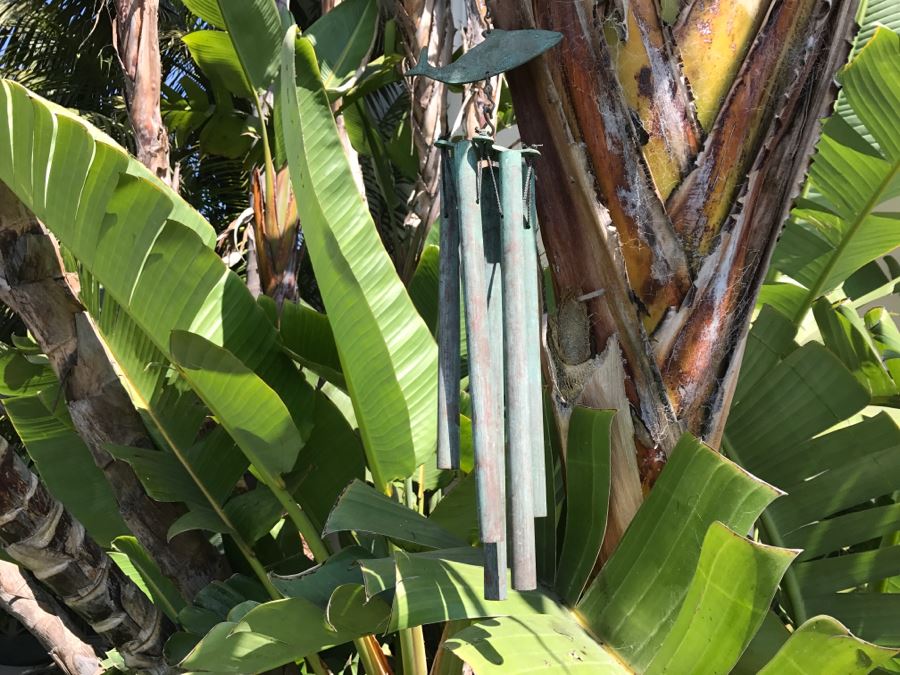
x,y
488,236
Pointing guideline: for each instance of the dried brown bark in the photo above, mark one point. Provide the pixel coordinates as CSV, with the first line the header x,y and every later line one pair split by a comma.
x,y
34,285
136,40
34,608
38,533
678,304
425,24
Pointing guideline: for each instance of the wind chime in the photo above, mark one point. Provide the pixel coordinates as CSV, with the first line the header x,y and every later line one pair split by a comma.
x,y
488,237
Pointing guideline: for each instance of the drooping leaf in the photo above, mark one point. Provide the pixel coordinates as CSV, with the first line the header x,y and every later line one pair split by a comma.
x,y
362,508
249,410
837,468
823,645
65,465
728,597
343,38
388,357
634,600
537,644
587,499
161,589
445,585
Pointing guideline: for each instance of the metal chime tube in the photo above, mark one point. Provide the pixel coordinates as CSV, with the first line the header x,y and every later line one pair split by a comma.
x,y
533,347
487,420
519,380
448,320
495,554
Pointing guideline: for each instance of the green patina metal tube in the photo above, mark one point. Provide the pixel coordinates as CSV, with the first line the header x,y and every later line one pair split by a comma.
x,y
491,218
448,319
487,402
533,347
519,379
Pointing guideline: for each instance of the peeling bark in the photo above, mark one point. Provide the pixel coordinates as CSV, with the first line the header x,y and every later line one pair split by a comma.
x,y
34,285
654,86
610,241
787,40
713,37
136,40
425,24
702,367
43,617
38,533
654,260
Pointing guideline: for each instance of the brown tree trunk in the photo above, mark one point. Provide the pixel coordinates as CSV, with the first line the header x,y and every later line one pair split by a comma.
x,y
34,608
136,39
38,533
425,24
34,285
674,228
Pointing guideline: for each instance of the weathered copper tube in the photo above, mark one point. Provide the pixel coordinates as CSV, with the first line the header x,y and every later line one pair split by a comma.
x,y
533,347
448,320
487,401
517,378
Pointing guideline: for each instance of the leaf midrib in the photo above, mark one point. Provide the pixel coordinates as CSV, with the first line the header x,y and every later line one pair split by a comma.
x,y
873,201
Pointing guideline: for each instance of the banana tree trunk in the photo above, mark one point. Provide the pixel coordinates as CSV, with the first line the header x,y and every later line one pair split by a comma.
x,y
425,24
658,222
39,534
136,40
35,286
34,608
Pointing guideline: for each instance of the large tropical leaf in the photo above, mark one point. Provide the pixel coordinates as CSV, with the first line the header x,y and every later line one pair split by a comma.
x,y
388,357
795,422
65,463
361,508
823,645
343,38
587,499
634,601
147,248
848,226
254,28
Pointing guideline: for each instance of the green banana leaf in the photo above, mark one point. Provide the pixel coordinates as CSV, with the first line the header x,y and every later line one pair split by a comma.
x,y
324,609
343,39
144,572
587,499
309,340
445,585
254,28
823,645
147,248
847,227
65,463
250,411
725,604
362,508
633,602
214,52
538,644
839,470
846,335
388,357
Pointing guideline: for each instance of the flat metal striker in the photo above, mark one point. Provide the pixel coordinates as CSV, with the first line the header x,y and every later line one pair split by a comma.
x,y
501,50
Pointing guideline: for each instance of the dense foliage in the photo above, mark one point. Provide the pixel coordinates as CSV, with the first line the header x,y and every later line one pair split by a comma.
x,y
290,424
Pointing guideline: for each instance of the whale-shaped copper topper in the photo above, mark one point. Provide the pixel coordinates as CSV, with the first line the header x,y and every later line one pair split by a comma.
x,y
502,50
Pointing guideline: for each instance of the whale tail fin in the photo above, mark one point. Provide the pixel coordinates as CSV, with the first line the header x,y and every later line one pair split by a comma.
x,y
422,67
